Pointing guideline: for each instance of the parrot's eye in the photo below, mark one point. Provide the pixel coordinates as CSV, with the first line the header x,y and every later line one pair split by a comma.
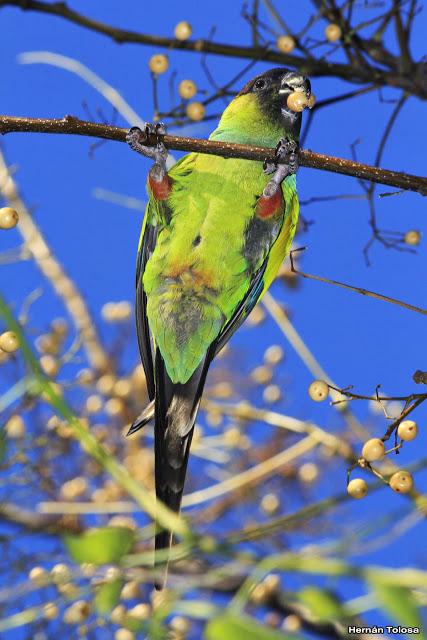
x,y
260,84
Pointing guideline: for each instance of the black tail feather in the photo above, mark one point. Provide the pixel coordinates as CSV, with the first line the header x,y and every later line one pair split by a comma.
x,y
176,408
142,419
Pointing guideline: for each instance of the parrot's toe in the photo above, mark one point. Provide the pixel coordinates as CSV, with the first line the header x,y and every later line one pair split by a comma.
x,y
285,148
157,129
137,140
269,167
285,164
134,137
287,153
160,128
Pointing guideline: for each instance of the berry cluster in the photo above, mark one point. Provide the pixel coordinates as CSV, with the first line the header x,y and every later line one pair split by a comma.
x,y
187,89
373,450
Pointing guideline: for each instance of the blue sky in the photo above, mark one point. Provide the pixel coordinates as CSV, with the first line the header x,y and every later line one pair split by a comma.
x,y
58,178
358,341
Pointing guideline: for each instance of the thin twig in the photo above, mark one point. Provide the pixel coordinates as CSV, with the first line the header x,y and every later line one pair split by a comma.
x,y
293,337
363,292
252,475
36,521
248,412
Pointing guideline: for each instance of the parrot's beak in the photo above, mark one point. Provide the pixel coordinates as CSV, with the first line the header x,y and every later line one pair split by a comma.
x,y
293,81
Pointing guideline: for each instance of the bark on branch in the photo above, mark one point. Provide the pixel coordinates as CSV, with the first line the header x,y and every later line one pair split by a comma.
x,y
74,126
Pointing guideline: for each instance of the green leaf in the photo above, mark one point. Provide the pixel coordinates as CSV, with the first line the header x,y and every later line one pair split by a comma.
x,y
100,546
133,624
399,603
107,596
3,445
230,627
322,603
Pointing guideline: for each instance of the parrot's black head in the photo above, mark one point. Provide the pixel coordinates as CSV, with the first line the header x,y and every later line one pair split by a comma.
x,y
260,114
272,89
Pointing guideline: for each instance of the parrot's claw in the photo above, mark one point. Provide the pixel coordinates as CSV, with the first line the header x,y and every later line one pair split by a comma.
x,y
135,138
284,164
269,167
159,128
288,150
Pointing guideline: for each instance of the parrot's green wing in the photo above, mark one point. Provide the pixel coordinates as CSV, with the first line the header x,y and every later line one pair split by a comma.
x,y
142,329
263,277
243,310
156,216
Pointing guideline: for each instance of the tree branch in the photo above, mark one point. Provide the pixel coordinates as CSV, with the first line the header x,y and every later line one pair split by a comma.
x,y
51,268
75,126
307,65
34,521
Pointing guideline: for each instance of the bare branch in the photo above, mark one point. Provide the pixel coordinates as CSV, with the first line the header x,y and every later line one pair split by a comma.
x,y
48,264
361,290
34,521
365,72
74,126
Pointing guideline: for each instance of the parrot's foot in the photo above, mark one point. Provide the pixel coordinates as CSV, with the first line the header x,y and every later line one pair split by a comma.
x,y
284,164
159,180
136,138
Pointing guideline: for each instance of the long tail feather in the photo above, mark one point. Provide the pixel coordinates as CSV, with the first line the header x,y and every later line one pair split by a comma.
x,y
176,408
142,419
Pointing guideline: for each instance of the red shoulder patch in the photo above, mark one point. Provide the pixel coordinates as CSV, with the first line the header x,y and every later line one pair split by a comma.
x,y
160,190
269,207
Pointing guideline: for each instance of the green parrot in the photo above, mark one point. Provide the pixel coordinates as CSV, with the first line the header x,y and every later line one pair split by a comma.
x,y
214,235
